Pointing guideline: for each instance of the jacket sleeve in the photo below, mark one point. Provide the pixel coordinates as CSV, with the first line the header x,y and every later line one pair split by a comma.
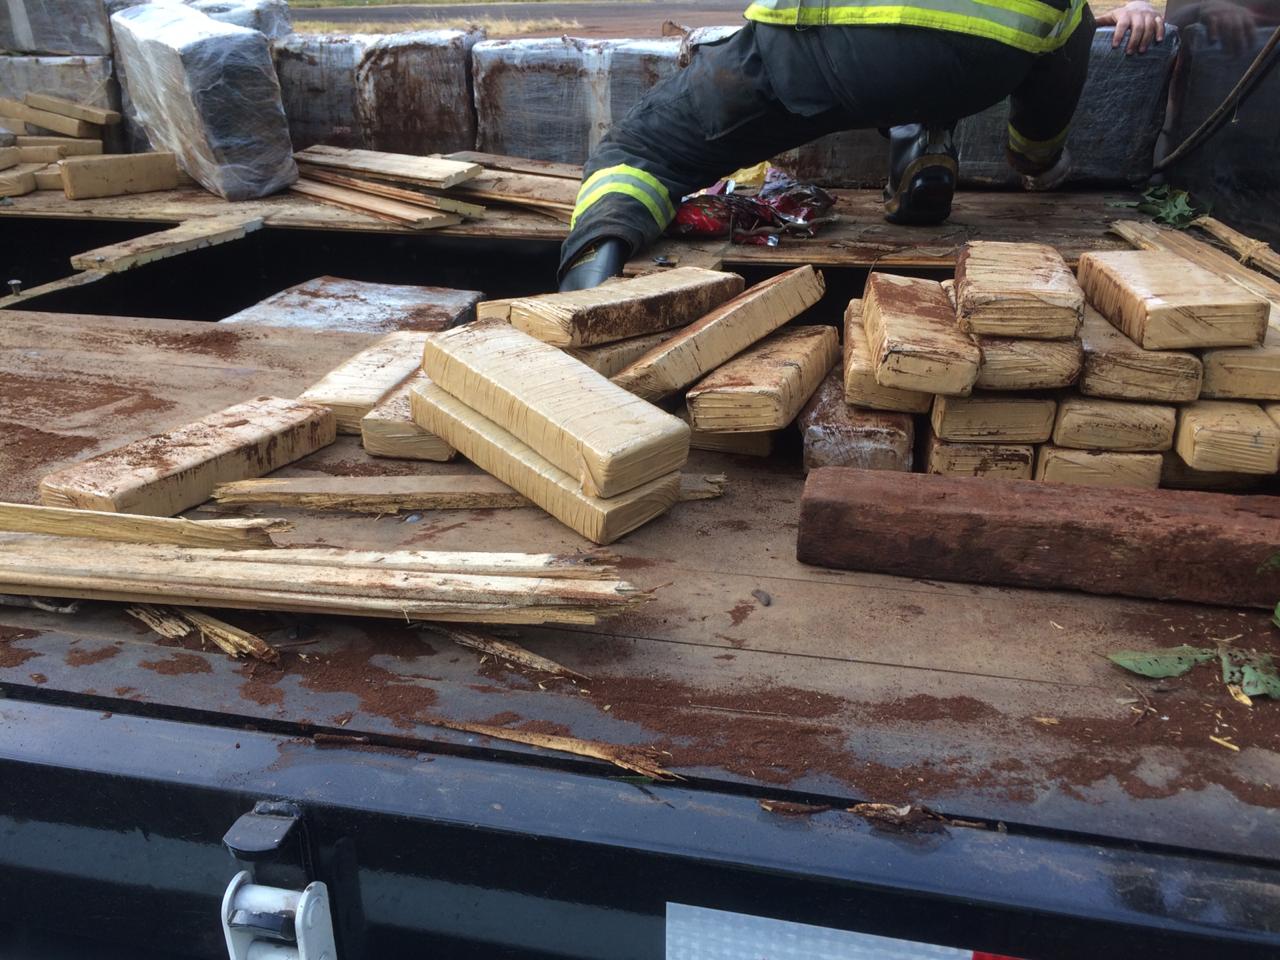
x,y
1042,106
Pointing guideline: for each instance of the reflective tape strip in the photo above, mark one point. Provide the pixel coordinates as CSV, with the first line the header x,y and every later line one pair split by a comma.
x,y
1036,149
632,182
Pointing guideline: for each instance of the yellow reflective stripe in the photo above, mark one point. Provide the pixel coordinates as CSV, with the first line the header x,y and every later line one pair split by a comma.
x,y
1036,148
631,190
1036,11
643,176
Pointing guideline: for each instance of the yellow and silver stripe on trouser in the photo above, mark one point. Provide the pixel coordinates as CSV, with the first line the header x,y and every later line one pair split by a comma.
x,y
629,181
1043,152
1026,24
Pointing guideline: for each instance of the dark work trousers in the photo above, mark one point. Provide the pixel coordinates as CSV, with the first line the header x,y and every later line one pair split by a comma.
x,y
769,89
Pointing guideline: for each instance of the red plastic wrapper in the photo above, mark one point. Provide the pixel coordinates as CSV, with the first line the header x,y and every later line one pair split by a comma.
x,y
783,206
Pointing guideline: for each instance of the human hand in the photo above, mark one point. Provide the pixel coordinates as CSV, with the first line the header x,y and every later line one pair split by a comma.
x,y
1137,18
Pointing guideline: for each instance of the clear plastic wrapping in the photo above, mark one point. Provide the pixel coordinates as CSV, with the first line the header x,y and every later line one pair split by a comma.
x,y
56,27
318,86
207,91
82,79
269,17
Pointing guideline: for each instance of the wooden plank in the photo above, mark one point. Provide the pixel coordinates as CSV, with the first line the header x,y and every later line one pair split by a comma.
x,y
1085,423
1000,461
609,359
669,253
548,194
624,308
1252,253
352,389
431,171
1020,290
1098,468
234,534
71,147
993,418
1245,373
393,211
1164,544
721,334
838,435
499,453
610,440
388,430
1225,435
53,286
765,386
48,177
497,161
48,121
914,341
167,473
113,175
70,108
1017,364
860,385
192,235
380,189
20,180
1164,302
1117,368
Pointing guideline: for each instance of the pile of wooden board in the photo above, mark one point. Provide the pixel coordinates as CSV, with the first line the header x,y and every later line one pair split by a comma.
x,y
435,191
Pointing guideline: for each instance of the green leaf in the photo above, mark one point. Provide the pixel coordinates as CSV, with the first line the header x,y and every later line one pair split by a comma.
x,y
1230,670
1260,680
1170,662
1270,564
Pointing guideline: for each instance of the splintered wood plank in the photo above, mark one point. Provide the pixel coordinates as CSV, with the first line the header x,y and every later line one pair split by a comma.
x,y
380,189
993,418
1117,368
609,358
764,387
608,438
860,385
1007,461
1098,468
1013,533
114,175
388,430
497,161
374,494
70,108
127,528
497,452
721,334
167,473
624,308
1164,302
551,195
192,235
1016,364
1245,373
1176,475
914,341
1016,290
1224,435
393,211
838,435
1149,236
432,171
1088,424
1254,253
69,126
352,389
70,146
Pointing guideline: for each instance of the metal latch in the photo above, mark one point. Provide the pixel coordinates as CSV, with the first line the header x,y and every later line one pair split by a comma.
x,y
271,923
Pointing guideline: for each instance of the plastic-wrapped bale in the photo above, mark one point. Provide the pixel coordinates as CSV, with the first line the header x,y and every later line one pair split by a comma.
x,y
1111,142
851,158
82,79
318,84
268,17
134,138
56,26
207,91
555,99
413,93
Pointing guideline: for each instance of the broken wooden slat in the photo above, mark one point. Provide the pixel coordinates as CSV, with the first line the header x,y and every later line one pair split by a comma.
x,y
69,126
1001,461
70,108
993,418
638,760
609,439
114,175
914,341
1085,423
1245,373
1098,468
188,236
1019,364
608,359
721,334
388,430
431,171
765,386
838,435
352,389
1021,290
1230,436
506,650
71,146
1117,368
390,192
1251,252
167,473
127,528
552,196
1164,302
499,453
496,161
1012,532
624,308
228,638
860,385
381,208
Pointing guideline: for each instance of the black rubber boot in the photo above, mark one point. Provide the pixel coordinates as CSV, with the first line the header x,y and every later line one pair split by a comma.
x,y
597,264
922,175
